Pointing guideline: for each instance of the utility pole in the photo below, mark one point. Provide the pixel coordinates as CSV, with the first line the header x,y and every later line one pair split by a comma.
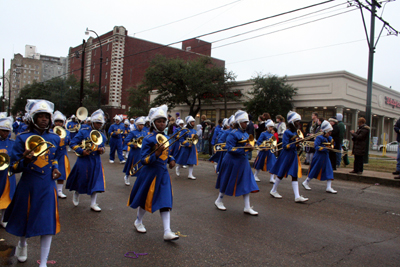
x,y
371,45
82,73
2,98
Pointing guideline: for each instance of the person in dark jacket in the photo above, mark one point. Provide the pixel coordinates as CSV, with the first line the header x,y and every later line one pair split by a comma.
x,y
261,126
342,131
360,143
397,130
335,135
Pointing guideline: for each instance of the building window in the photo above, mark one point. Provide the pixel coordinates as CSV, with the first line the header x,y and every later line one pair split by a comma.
x,y
94,52
108,46
210,114
106,61
106,75
105,88
94,65
93,78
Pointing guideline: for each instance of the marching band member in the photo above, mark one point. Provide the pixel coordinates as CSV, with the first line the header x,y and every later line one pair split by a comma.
x,y
132,124
34,208
115,133
187,152
175,146
16,125
86,125
24,124
127,130
321,167
87,175
63,160
134,152
265,160
72,127
146,127
152,190
217,156
7,183
222,140
235,177
288,162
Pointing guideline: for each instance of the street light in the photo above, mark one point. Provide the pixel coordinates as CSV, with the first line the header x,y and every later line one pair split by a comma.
x,y
101,61
9,95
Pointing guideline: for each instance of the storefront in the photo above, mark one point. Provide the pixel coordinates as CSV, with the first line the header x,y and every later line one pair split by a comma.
x,y
327,93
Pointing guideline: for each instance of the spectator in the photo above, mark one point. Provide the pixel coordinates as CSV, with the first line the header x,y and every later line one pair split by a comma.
x,y
335,136
275,133
342,130
171,126
210,135
310,130
250,131
200,135
281,126
360,143
261,126
397,130
203,119
206,133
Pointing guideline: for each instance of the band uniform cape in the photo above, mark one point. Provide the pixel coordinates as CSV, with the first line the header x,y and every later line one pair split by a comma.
x,y
175,146
34,208
186,155
221,140
63,161
116,140
134,153
87,175
217,157
7,184
152,189
321,167
288,162
235,177
265,160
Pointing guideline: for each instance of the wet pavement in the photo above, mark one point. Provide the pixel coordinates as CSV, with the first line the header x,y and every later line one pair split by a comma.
x,y
360,226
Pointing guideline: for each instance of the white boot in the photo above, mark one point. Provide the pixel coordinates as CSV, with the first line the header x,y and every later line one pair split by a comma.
x,y
126,178
177,170
22,251
256,175
190,176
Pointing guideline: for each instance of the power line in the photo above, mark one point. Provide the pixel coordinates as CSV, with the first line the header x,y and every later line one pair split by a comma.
x,y
186,17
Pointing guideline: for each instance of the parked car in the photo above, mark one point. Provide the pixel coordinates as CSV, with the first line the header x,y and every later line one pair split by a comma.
x,y
390,147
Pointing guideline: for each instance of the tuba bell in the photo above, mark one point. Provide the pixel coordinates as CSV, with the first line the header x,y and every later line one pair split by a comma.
x,y
4,161
82,113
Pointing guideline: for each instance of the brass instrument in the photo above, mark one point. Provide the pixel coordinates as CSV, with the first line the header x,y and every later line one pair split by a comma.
x,y
4,161
96,139
192,140
35,143
82,113
219,147
269,144
138,142
60,131
249,141
162,141
301,140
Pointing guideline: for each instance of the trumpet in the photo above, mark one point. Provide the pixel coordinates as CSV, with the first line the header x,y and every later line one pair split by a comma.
x,y
138,142
161,141
301,140
96,139
35,144
60,131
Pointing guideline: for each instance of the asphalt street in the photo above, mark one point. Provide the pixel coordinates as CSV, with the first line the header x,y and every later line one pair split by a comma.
x,y
357,227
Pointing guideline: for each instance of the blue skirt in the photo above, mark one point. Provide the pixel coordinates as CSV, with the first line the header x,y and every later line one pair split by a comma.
x,y
133,158
152,189
63,165
186,155
235,177
288,163
321,167
265,160
87,175
216,157
34,208
223,153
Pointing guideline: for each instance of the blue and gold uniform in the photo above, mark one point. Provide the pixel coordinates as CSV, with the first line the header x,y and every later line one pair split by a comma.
x,y
321,167
63,161
222,139
186,155
7,183
134,153
71,125
87,175
265,160
34,207
115,131
152,189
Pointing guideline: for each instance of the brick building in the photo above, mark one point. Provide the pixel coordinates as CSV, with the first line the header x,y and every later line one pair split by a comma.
x,y
125,60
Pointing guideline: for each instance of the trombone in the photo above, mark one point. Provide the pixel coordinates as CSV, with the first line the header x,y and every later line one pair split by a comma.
x,y
34,143
192,140
302,138
161,141
249,141
219,147
269,144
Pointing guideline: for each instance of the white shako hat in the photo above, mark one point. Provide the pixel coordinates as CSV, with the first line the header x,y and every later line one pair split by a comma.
x,y
326,126
146,119
126,122
158,113
88,119
6,123
225,122
269,123
292,117
231,120
58,116
241,116
35,106
139,120
3,115
189,119
98,116
180,121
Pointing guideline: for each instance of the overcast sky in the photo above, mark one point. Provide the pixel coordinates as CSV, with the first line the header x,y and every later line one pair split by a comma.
x,y
331,44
